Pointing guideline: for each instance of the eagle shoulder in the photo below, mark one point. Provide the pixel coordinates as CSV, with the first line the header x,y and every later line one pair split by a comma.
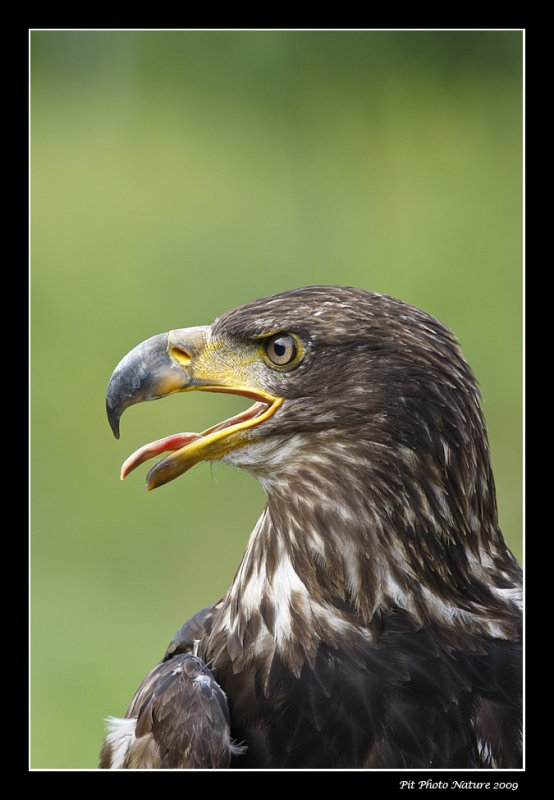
x,y
401,700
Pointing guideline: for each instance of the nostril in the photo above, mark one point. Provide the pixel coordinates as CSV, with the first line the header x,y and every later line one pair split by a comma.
x,y
180,355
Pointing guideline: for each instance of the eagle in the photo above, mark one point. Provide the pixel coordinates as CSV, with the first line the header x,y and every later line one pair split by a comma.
x,y
375,620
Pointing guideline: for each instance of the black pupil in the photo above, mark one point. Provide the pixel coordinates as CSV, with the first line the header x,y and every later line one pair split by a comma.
x,y
280,347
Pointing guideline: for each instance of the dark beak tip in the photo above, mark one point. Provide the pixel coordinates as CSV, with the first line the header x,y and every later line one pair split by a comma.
x,y
114,425
113,418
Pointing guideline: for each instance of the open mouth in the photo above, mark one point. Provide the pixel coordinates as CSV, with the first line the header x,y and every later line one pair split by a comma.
x,y
212,444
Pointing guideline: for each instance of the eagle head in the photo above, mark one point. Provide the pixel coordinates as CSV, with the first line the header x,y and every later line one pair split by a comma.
x,y
335,373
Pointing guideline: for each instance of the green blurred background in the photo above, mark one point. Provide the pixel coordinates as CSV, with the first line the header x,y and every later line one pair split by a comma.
x,y
176,175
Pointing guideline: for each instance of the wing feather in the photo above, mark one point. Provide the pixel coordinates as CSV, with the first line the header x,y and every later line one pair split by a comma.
x,y
178,719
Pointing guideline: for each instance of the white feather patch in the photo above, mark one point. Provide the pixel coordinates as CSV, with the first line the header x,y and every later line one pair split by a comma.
x,y
121,735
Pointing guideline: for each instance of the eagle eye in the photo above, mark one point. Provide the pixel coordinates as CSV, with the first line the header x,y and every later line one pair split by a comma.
x,y
281,349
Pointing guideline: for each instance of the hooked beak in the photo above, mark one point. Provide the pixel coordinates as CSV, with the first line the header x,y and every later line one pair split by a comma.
x,y
179,361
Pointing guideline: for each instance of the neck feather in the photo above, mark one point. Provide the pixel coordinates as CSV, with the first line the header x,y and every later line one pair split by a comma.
x,y
345,539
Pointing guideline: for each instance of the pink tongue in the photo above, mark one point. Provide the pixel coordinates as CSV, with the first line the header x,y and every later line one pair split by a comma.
x,y
174,442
